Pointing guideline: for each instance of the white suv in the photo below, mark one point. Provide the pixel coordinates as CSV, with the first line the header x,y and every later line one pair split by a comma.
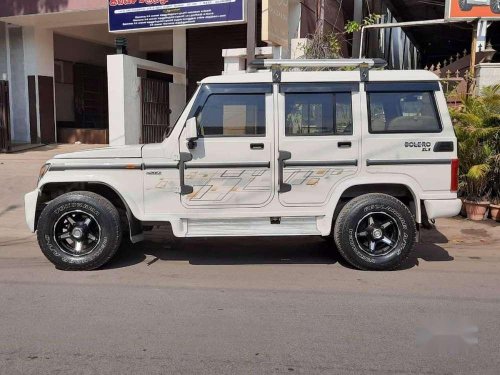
x,y
363,157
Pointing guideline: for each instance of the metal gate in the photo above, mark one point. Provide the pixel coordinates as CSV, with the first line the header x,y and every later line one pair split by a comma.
x,y
155,110
4,117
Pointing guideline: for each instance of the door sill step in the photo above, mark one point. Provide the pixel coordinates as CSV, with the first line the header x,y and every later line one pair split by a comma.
x,y
289,226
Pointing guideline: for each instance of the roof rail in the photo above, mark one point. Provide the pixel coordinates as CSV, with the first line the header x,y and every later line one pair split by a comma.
x,y
276,65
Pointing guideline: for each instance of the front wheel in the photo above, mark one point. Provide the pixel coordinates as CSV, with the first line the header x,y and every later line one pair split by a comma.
x,y
79,231
375,232
495,6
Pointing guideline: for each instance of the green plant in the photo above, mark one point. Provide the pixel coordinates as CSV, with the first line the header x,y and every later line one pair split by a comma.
x,y
477,126
353,26
322,45
328,45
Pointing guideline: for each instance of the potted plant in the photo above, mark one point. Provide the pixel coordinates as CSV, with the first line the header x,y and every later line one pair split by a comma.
x,y
477,126
476,202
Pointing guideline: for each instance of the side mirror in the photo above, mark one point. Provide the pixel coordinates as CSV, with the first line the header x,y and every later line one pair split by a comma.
x,y
191,129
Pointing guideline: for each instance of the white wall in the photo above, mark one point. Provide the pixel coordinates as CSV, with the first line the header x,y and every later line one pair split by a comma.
x,y
19,120
39,51
487,74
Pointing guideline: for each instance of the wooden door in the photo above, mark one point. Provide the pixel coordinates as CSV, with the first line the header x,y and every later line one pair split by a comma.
x,y
46,107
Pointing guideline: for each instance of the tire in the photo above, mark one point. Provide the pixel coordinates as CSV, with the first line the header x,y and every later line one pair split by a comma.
x,y
495,6
79,231
464,6
375,232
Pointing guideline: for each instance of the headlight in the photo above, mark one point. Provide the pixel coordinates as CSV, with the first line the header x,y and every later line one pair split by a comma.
x,y
43,171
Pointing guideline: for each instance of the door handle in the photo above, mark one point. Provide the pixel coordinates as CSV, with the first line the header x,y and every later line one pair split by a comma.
x,y
184,157
257,146
283,156
344,144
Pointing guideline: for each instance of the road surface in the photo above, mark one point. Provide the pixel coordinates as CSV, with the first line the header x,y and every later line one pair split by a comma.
x,y
245,306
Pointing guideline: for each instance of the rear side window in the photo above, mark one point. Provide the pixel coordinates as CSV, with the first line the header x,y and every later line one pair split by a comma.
x,y
403,112
309,114
233,115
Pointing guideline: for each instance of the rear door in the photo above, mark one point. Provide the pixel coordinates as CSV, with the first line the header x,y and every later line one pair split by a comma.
x,y
231,162
318,140
408,135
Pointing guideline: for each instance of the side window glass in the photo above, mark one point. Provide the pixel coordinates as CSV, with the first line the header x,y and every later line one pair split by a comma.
x,y
233,115
343,114
409,112
309,114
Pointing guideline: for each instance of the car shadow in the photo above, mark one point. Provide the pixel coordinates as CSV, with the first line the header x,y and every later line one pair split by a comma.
x,y
161,245
428,249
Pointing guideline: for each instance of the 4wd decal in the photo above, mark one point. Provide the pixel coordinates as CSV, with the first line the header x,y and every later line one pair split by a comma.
x,y
424,146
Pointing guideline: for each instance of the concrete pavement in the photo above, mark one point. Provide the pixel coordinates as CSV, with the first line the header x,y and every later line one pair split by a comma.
x,y
226,306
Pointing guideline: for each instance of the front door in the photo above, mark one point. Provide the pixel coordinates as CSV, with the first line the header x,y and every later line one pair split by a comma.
x,y
232,163
318,140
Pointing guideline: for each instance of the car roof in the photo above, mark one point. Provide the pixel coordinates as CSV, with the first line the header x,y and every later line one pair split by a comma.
x,y
326,76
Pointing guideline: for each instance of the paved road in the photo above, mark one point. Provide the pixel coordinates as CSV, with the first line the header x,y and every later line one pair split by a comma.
x,y
249,306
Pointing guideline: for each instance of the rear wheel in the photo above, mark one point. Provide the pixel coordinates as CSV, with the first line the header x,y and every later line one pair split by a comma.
x,y
79,231
464,5
375,232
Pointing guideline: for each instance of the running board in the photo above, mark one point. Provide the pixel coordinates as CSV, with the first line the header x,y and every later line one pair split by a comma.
x,y
288,226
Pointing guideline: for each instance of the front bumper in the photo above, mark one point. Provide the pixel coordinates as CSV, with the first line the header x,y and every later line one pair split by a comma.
x,y
30,201
436,208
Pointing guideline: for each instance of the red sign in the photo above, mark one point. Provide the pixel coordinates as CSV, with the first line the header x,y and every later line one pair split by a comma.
x,y
472,9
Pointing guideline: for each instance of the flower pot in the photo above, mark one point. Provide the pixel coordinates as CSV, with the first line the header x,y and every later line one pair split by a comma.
x,y
495,212
476,210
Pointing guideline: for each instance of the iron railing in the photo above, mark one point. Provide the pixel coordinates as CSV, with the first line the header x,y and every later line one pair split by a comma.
x,y
155,110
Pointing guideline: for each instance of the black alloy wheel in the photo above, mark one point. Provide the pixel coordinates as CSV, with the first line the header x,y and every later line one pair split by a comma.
x,y
79,231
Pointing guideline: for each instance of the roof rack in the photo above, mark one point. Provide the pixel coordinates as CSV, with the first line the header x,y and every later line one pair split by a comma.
x,y
277,65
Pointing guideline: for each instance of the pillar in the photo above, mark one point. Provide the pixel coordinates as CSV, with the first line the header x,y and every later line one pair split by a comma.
x,y
358,17
3,53
124,101
178,89
18,94
39,70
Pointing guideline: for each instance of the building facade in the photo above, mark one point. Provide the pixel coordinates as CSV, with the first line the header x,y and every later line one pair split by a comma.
x,y
55,63
54,56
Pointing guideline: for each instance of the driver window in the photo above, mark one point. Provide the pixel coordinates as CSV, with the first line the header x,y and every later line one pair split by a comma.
x,y
409,112
233,115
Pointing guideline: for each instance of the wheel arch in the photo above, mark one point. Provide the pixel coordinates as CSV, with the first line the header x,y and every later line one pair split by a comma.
x,y
52,190
398,189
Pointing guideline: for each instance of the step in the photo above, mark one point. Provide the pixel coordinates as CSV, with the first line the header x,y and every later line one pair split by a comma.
x,y
233,227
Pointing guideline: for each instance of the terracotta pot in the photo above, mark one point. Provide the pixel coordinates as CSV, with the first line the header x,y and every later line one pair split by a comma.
x,y
476,210
495,212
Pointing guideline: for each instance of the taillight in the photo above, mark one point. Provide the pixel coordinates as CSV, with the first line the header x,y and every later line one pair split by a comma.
x,y
454,175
